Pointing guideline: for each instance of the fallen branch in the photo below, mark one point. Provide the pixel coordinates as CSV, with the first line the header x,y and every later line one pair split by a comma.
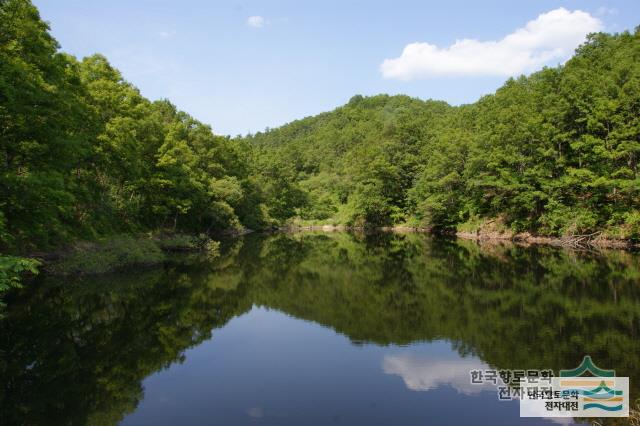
x,y
580,241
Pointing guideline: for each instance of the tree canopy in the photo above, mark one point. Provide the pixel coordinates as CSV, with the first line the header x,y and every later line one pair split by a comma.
x,y
553,153
83,154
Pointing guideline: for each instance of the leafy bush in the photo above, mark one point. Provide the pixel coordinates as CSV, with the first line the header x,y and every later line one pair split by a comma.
x,y
559,219
632,225
13,268
370,207
472,225
582,221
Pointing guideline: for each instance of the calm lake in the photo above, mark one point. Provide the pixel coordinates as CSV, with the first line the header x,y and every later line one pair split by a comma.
x,y
315,329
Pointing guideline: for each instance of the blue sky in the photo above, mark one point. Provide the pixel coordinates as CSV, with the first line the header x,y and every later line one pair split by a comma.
x,y
242,66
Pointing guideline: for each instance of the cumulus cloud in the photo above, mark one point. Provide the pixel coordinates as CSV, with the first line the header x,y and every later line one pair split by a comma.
x,y
551,36
255,21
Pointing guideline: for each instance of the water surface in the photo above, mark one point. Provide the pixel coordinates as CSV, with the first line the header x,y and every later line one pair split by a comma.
x,y
315,329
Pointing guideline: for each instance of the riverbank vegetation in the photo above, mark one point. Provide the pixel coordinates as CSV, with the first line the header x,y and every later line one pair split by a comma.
x,y
84,156
117,253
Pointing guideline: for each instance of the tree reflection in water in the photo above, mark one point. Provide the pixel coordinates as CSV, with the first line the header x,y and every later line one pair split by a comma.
x,y
75,351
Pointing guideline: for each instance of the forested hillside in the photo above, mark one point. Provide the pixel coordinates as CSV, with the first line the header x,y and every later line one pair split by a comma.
x,y
555,153
84,155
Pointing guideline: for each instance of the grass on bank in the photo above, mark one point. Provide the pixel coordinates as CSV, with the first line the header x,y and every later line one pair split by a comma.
x,y
120,252
113,254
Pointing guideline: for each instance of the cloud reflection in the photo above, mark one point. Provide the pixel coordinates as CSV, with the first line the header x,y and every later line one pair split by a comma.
x,y
424,373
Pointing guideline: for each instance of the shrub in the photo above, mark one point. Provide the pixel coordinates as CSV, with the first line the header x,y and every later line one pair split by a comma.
x,y
559,219
631,227
12,269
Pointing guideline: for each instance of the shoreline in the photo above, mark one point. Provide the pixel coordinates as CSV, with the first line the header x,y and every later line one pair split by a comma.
x,y
481,237
111,254
524,239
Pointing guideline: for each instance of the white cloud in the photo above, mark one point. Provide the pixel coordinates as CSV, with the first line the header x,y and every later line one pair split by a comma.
x,y
551,36
255,21
167,34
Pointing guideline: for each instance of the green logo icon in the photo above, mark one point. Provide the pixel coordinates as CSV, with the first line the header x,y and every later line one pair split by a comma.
x,y
587,364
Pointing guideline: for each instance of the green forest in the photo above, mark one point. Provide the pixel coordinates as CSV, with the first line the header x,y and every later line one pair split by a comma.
x,y
84,155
